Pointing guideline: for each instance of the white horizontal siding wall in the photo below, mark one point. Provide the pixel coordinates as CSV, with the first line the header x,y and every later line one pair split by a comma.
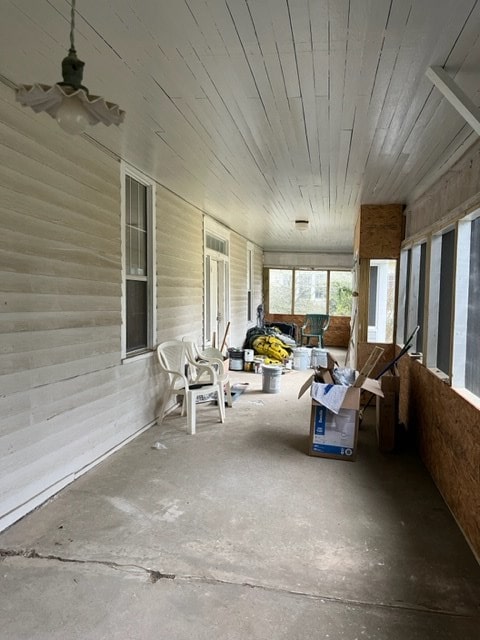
x,y
66,400
179,269
238,290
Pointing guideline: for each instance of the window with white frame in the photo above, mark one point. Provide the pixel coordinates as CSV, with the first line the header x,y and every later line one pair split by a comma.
x,y
217,282
302,291
403,295
466,348
381,307
441,287
138,264
472,360
446,304
411,301
421,252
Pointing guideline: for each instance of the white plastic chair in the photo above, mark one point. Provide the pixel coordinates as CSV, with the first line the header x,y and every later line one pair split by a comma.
x,y
189,379
214,358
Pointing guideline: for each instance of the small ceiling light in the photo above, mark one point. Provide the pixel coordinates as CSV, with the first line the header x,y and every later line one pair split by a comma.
x,y
301,225
69,101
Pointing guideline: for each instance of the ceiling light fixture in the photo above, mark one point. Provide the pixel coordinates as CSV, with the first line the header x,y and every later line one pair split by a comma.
x,y
301,225
69,101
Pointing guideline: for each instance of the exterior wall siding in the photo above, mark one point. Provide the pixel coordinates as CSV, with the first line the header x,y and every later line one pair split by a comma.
x,y
238,290
66,398
179,269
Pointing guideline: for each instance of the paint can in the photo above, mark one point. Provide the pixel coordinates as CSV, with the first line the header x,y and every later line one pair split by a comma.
x,y
271,378
235,359
301,358
257,365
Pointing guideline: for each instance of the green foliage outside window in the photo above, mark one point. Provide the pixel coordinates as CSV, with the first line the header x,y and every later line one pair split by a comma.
x,y
310,292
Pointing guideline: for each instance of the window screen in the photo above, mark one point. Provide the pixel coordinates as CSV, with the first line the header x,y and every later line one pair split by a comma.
x,y
472,364
445,302
421,295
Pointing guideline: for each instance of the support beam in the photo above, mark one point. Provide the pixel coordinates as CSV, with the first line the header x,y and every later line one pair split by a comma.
x,y
457,98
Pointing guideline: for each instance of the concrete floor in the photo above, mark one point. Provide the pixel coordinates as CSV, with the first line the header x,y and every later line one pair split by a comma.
x,y
236,533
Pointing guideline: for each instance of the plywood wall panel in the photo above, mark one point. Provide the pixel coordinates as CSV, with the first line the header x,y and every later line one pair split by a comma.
x,y
445,424
381,231
446,427
336,335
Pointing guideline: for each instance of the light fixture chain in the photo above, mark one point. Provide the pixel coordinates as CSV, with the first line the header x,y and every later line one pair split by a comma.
x,y
72,26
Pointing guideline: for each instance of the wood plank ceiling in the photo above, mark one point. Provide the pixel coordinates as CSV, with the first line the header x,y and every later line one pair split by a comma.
x,y
260,112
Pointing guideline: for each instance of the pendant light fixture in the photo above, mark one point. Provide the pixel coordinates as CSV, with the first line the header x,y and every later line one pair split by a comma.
x,y
301,225
69,102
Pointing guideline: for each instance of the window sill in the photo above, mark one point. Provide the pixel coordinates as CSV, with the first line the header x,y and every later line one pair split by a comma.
x,y
468,396
440,375
135,357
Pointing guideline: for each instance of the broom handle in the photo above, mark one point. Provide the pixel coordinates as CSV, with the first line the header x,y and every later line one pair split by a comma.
x,y
225,336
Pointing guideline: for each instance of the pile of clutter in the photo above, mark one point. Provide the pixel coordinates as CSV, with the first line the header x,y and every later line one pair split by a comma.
x,y
269,346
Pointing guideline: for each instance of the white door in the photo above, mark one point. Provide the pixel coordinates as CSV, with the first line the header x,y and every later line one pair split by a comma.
x,y
216,297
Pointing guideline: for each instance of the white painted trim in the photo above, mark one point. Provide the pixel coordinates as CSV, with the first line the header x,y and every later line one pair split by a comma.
x,y
401,296
22,510
413,291
469,397
129,170
212,227
433,300
460,310
457,98
216,229
139,356
123,306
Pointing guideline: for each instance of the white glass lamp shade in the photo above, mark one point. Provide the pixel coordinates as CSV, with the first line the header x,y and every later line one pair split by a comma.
x,y
72,116
74,109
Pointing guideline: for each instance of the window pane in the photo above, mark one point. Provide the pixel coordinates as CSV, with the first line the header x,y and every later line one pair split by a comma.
x,y
421,295
372,297
310,292
472,365
445,302
407,296
280,291
136,229
340,293
382,290
136,315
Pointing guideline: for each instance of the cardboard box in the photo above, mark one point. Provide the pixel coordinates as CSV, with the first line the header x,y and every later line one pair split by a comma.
x,y
334,417
387,412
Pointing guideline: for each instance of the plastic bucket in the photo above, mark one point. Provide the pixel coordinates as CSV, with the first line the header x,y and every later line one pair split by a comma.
x,y
319,358
301,358
271,376
235,359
